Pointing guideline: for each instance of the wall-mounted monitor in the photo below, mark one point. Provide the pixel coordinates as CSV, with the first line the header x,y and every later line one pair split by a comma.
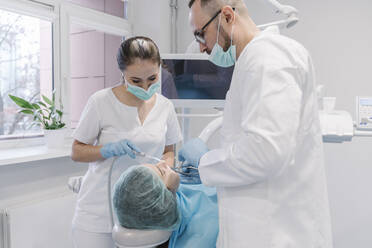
x,y
191,80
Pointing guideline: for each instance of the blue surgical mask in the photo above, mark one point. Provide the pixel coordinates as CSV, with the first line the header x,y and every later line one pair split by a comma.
x,y
142,93
218,56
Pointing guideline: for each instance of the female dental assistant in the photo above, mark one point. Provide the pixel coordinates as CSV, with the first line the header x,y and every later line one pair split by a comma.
x,y
116,121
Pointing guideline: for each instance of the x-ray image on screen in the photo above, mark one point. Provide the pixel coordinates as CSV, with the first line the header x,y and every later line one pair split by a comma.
x,y
194,79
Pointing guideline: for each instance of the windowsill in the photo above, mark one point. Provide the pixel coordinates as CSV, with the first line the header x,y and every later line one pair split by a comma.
x,y
33,153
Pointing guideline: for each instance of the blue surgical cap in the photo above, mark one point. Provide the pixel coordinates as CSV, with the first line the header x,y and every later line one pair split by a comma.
x,y
142,201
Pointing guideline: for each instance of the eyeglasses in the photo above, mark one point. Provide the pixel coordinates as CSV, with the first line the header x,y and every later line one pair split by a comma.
x,y
199,34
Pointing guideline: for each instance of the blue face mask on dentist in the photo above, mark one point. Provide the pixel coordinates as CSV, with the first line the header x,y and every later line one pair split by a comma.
x,y
142,93
218,56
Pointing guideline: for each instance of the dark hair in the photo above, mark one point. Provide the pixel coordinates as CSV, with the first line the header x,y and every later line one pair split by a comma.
x,y
191,3
212,6
202,2
137,47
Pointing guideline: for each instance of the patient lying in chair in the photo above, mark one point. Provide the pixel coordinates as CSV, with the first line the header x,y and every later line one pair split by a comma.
x,y
151,197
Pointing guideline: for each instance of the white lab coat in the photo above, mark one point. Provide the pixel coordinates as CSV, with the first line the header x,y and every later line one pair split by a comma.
x,y
269,171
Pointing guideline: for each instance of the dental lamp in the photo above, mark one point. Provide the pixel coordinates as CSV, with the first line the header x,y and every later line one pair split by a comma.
x,y
290,12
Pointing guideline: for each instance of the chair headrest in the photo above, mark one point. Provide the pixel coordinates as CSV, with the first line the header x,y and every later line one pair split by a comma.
x,y
139,238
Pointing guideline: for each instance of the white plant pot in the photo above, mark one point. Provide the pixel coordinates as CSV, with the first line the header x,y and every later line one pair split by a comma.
x,y
55,139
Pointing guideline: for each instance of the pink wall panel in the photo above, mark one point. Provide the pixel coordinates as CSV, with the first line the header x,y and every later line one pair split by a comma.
x,y
81,90
87,54
114,7
92,4
93,57
112,72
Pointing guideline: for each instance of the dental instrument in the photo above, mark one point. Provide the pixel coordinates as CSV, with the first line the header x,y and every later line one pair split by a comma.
x,y
180,168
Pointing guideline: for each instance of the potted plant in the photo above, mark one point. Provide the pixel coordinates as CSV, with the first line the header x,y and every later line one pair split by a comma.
x,y
47,115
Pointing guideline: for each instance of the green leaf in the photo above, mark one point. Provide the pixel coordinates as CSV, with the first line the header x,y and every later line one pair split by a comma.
x,y
36,106
50,114
21,102
47,100
53,126
42,104
27,111
59,112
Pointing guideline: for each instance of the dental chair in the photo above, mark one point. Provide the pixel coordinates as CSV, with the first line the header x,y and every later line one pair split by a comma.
x,y
133,238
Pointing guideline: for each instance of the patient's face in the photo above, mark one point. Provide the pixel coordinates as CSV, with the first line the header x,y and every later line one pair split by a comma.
x,y
170,178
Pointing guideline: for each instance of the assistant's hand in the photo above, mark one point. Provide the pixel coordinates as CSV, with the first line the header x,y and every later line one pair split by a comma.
x,y
120,148
192,151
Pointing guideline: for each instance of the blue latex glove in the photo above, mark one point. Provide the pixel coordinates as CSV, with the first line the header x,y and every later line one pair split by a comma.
x,y
192,151
120,148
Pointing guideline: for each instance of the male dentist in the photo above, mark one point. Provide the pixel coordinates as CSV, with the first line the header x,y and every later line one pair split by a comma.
x,y
269,169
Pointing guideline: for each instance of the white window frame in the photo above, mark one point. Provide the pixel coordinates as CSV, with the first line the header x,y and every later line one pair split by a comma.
x,y
62,14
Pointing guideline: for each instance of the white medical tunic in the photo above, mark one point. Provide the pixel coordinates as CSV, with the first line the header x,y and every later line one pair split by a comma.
x,y
269,171
105,119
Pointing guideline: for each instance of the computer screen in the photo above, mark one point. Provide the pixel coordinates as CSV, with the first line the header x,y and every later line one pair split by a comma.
x,y
190,77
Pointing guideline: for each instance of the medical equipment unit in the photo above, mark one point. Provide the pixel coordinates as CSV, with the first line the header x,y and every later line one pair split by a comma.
x,y
199,84
191,80
364,113
338,125
290,12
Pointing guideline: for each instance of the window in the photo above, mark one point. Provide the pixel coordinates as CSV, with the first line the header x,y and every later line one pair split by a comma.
x,y
66,45
26,55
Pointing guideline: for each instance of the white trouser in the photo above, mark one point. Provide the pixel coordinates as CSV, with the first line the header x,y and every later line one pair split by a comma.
x,y
85,239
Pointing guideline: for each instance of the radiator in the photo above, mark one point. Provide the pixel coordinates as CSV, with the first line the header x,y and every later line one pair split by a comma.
x,y
43,223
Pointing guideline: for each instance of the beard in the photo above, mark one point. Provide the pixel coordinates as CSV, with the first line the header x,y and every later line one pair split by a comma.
x,y
226,38
226,41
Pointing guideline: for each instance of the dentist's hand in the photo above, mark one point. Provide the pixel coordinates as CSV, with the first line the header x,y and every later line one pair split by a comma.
x,y
192,178
192,151
120,148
